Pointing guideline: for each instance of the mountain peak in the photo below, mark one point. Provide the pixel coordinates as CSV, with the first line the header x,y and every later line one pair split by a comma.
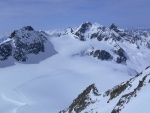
x,y
113,26
28,28
84,27
25,43
88,22
83,100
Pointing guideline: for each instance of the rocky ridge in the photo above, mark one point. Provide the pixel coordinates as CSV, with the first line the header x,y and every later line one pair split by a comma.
x,y
113,38
116,99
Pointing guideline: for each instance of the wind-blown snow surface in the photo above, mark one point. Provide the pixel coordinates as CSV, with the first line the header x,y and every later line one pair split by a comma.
x,y
52,84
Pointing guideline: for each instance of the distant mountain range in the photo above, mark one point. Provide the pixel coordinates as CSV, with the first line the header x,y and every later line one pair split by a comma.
x,y
123,46
77,57
112,44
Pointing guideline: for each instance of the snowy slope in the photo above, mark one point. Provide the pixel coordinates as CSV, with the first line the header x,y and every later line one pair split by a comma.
x,y
128,97
51,84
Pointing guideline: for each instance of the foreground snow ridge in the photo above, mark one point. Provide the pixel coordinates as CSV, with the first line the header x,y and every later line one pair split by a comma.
x,y
115,100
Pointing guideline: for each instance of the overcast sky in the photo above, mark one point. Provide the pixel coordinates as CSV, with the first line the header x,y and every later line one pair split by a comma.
x,y
54,14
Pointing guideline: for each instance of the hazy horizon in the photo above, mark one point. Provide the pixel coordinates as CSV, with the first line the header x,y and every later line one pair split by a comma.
x,y
61,14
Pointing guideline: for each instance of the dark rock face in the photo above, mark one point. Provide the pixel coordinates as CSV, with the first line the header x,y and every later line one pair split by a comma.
x,y
114,27
83,28
119,89
28,44
13,34
5,51
100,38
116,91
80,36
22,43
94,35
101,54
116,38
22,49
28,28
125,99
83,100
122,57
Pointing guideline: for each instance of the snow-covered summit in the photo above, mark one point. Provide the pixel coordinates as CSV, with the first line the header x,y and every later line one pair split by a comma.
x,y
88,31
23,44
127,47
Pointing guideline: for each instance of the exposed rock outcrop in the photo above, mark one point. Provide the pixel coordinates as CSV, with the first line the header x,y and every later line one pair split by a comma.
x,y
24,42
119,96
83,100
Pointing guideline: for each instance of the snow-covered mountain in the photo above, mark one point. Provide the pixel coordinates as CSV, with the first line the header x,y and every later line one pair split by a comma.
x,y
131,96
38,79
126,47
23,45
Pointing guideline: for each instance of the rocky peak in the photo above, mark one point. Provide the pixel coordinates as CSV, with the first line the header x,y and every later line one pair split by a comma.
x,y
83,100
84,27
12,34
88,31
16,32
114,27
70,30
79,32
110,37
22,43
28,28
